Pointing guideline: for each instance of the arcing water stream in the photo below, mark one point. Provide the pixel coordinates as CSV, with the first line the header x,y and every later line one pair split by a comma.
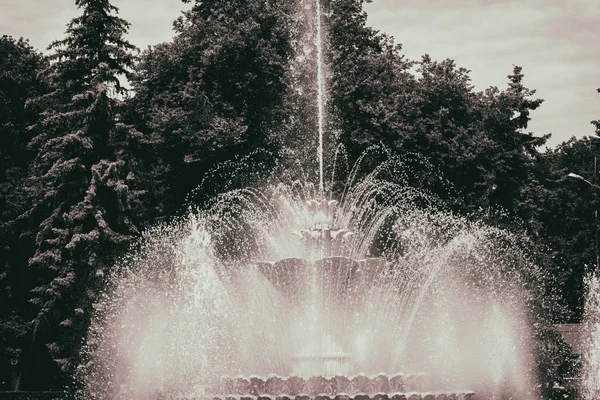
x,y
232,292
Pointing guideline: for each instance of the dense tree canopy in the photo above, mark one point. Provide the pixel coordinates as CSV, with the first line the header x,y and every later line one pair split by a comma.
x,y
567,216
20,66
214,92
82,201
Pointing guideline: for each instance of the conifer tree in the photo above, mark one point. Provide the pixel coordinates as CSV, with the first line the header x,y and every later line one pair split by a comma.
x,y
514,150
85,184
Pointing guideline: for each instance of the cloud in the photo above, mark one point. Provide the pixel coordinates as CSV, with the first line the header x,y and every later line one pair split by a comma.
x,y
555,42
43,21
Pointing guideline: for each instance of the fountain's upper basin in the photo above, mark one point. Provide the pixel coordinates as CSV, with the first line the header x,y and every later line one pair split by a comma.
x,y
341,274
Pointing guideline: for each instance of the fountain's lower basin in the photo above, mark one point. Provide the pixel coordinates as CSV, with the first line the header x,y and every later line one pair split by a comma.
x,y
339,387
342,396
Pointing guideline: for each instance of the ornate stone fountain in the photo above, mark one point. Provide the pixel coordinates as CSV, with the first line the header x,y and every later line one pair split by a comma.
x,y
336,378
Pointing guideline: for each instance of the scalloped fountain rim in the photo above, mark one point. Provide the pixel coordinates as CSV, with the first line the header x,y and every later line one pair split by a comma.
x,y
379,386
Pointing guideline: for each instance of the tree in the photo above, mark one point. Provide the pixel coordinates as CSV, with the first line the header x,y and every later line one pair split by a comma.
x,y
84,183
559,212
20,66
568,225
476,140
596,122
371,87
515,149
215,92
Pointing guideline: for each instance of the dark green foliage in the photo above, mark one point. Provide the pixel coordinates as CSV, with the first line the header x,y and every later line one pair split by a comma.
x,y
556,366
20,66
93,38
371,87
596,122
476,139
85,204
214,92
567,215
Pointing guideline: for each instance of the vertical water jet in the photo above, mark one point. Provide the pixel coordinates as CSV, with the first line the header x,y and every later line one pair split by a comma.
x,y
320,92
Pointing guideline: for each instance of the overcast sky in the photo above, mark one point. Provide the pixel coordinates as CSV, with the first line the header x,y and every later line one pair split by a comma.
x,y
557,42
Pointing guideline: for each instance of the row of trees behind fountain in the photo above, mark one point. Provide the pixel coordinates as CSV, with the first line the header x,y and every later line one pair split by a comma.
x,y
86,167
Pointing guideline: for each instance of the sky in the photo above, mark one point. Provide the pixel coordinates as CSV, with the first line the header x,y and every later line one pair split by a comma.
x,y
557,42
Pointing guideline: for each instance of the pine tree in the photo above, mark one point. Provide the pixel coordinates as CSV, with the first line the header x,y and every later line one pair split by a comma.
x,y
85,183
514,150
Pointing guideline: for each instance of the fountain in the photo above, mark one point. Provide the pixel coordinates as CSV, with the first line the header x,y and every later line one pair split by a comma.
x,y
270,294
321,368
380,294
590,382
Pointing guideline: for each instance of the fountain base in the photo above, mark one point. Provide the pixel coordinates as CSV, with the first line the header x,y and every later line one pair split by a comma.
x,y
378,396
338,387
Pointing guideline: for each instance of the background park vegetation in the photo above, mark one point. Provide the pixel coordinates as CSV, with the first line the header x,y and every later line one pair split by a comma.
x,y
87,165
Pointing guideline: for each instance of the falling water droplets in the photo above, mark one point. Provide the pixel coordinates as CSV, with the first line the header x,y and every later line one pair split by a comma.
x,y
230,291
